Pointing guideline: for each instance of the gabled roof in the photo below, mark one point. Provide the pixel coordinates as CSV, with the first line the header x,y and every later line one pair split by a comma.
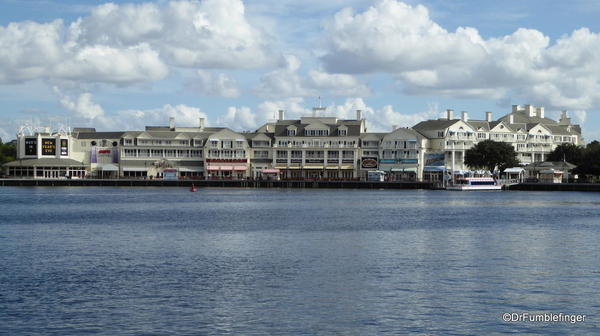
x,y
281,127
434,125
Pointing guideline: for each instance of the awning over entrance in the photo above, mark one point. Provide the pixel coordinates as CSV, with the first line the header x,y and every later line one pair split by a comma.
x,y
226,168
347,167
313,167
404,170
46,162
270,171
239,168
332,167
514,170
213,167
191,169
140,169
108,167
433,169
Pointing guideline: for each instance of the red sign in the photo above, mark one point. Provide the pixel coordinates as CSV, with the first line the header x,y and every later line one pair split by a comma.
x,y
104,151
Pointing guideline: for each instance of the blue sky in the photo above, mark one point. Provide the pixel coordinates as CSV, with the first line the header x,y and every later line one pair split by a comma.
x,y
126,64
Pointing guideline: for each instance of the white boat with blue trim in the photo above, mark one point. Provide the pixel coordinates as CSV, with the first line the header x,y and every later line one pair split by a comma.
x,y
475,183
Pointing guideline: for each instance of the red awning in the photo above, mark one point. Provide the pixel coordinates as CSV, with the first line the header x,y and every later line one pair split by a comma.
x,y
226,167
239,168
213,167
270,171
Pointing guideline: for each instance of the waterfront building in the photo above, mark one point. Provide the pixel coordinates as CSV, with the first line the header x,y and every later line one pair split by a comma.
x,y
311,147
315,147
526,128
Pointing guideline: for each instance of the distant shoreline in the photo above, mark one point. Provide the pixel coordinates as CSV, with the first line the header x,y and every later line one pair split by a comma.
x,y
302,184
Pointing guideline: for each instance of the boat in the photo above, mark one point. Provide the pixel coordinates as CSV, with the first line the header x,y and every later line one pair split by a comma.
x,y
475,183
193,188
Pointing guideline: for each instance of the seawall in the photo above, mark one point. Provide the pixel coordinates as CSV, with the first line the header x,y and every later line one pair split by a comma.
x,y
213,183
556,187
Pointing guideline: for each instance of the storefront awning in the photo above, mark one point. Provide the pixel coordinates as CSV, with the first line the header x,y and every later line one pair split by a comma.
x,y
270,171
140,169
226,168
239,168
332,167
109,167
347,167
213,167
313,167
434,169
191,169
514,170
405,170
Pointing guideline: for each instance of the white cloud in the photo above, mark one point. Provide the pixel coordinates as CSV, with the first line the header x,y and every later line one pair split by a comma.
x,y
239,118
131,43
82,107
210,84
402,40
286,81
338,84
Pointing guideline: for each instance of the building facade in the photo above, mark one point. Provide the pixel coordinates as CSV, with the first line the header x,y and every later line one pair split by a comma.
x,y
312,147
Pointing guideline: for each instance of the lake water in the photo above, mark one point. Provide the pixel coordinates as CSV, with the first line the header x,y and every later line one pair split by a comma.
x,y
164,261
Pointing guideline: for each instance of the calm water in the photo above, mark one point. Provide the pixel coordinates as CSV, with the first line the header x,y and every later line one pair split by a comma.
x,y
160,261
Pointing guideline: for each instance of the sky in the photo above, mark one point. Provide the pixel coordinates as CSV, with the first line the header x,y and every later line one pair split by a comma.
x,y
123,65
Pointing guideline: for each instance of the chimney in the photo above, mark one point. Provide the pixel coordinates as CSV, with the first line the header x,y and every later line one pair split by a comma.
x,y
201,124
465,116
488,116
172,123
449,114
540,111
281,115
530,110
515,108
564,118
511,119
358,115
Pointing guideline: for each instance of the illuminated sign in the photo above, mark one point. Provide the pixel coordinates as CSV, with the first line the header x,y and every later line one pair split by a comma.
x,y
369,162
104,151
31,146
64,147
48,146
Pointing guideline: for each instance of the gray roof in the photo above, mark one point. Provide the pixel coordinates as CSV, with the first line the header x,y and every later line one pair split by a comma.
x,y
523,118
352,125
559,165
99,135
45,162
432,125
477,124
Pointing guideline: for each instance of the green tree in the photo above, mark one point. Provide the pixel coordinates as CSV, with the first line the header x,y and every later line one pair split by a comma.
x,y
567,152
490,154
8,152
590,161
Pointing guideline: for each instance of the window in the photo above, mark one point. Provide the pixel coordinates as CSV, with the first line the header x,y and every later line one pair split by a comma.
x,y
156,152
262,154
214,143
282,154
440,134
128,141
333,154
296,154
348,154
342,132
291,132
195,153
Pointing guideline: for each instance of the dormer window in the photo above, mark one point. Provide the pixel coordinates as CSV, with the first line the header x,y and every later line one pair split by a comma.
x,y
342,132
316,132
291,132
